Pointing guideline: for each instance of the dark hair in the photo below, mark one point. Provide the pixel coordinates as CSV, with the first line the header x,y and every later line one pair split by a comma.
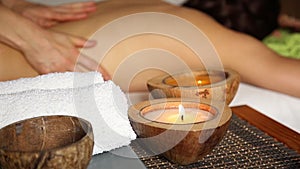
x,y
255,17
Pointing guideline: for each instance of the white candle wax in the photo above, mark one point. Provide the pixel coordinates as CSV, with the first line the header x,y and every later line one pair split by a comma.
x,y
173,115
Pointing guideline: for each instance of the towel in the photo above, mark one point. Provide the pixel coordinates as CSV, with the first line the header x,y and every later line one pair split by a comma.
x,y
284,42
103,104
51,81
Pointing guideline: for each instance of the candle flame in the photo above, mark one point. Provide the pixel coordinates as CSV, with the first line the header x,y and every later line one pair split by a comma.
x,y
181,111
199,82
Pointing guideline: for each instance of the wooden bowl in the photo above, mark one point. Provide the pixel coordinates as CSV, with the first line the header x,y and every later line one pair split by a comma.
x,y
180,143
207,84
61,142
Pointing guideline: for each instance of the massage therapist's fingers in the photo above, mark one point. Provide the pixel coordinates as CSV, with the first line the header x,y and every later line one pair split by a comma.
x,y
68,12
60,13
59,51
78,7
82,42
68,45
87,62
104,73
45,23
92,65
64,16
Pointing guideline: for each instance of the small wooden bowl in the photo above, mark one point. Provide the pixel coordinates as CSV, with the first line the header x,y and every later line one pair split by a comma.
x,y
180,143
214,84
46,142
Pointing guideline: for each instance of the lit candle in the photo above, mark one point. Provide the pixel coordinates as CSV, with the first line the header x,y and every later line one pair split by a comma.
x,y
178,115
162,131
181,112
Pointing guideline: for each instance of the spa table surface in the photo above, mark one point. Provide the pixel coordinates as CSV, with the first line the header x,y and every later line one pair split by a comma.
x,y
287,138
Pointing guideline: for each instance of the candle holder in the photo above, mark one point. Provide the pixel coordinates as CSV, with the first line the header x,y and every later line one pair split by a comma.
x,y
207,84
47,142
182,143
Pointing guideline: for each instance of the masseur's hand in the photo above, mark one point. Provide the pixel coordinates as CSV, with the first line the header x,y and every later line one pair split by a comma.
x,y
47,16
51,51
45,50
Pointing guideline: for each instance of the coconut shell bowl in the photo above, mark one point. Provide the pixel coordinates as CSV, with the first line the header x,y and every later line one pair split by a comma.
x,y
207,84
56,142
182,138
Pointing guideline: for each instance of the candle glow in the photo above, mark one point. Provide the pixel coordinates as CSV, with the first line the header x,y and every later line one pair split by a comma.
x,y
178,115
193,80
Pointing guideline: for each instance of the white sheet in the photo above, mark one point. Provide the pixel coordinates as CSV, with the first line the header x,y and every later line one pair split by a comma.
x,y
282,108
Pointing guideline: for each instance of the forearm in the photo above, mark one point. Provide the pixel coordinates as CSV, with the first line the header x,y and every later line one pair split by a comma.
x,y
15,29
8,34
259,65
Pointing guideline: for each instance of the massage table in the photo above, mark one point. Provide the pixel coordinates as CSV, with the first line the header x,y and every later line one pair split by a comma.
x,y
280,107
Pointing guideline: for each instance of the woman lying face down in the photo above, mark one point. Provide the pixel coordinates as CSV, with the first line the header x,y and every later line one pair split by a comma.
x,y
256,63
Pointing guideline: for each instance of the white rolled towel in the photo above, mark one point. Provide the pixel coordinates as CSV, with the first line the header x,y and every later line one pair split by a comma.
x,y
51,81
103,104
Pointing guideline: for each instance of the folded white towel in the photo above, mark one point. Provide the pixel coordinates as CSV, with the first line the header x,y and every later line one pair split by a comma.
x,y
51,81
103,104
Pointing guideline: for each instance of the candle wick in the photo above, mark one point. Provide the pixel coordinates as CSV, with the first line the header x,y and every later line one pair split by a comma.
x,y
181,112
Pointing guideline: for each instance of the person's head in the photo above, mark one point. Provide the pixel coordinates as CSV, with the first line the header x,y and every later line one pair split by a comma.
x,y
255,17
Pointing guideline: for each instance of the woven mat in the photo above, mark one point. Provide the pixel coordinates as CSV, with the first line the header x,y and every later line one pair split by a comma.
x,y
244,146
